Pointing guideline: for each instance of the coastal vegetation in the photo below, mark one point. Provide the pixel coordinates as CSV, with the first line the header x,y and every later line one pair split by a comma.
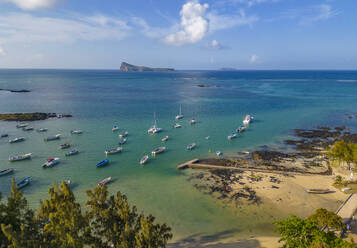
x,y
343,152
30,116
309,233
109,221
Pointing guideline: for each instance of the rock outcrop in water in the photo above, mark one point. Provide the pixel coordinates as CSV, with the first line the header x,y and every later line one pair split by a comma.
x,y
15,91
30,116
128,67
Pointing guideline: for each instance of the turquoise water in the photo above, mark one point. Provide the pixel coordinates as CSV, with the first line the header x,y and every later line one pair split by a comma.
x,y
279,100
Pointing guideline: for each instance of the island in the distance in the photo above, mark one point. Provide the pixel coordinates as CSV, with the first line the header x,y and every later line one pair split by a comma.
x,y
128,67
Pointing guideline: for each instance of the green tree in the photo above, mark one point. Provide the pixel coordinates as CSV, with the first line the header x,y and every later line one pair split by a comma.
x,y
342,152
323,217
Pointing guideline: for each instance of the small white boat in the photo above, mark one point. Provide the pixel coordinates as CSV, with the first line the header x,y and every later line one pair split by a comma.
x,y
20,139
247,120
7,171
165,138
180,115
122,141
71,153
113,151
50,162
76,131
40,130
67,181
232,136
22,125
191,146
104,181
207,138
193,121
115,128
154,128
241,129
27,128
65,145
20,157
122,135
50,138
144,159
218,153
177,125
158,150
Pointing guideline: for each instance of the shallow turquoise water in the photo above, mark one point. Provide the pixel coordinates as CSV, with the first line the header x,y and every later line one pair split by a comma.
x,y
279,100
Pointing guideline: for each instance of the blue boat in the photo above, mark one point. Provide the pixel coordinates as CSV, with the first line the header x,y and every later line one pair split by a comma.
x,y
103,163
24,182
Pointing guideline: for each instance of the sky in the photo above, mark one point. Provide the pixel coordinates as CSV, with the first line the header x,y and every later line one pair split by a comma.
x,y
186,35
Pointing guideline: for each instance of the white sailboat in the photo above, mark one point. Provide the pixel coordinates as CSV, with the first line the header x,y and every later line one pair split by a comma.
x,y
180,115
154,128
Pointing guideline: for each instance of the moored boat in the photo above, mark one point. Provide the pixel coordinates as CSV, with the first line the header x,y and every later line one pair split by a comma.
x,y
180,115
65,145
165,138
191,146
318,191
4,135
192,121
219,153
104,181
144,159
22,125
232,136
6,171
177,125
241,129
76,131
50,162
27,128
20,157
122,135
41,130
67,181
122,141
115,128
24,183
114,150
158,150
247,120
154,129
71,153
103,163
50,138
20,139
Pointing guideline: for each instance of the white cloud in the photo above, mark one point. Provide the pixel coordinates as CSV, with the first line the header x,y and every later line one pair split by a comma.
x,y
25,28
32,4
319,13
194,25
151,32
253,59
218,22
2,51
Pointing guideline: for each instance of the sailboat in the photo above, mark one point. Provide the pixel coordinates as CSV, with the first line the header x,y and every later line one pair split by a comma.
x,y
154,129
180,115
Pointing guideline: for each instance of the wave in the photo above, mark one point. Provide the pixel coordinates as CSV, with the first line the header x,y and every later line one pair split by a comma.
x,y
286,79
347,80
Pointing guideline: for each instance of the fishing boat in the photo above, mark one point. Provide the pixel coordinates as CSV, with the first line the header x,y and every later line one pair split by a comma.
x,y
20,157
50,162
7,171
241,129
191,146
232,136
65,145
154,128
103,163
41,130
22,125
165,138
144,159
50,138
122,135
318,191
67,181
24,183
177,125
4,135
104,181
114,150
115,128
20,139
192,121
122,141
27,128
218,153
71,153
180,115
158,150
247,119
76,131
207,138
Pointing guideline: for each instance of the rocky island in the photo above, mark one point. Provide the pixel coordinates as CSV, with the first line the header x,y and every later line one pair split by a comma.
x,y
30,116
128,67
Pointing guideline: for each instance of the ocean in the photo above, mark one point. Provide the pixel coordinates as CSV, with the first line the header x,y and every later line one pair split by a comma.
x,y
99,99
